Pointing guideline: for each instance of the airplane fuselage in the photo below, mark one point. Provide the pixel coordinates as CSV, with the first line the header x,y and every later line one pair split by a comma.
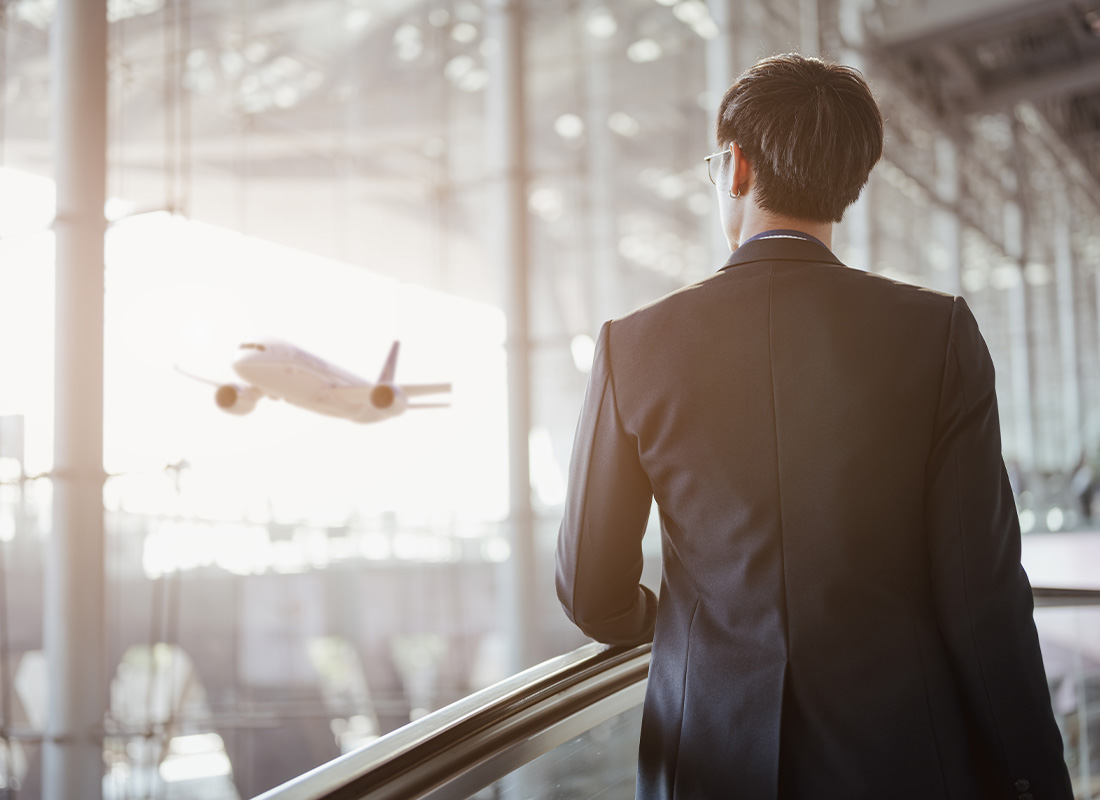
x,y
284,372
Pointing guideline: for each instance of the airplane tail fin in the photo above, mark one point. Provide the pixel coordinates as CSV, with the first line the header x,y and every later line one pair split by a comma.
x,y
390,366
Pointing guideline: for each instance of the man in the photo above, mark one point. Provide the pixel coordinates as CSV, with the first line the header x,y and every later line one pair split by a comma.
x,y
842,613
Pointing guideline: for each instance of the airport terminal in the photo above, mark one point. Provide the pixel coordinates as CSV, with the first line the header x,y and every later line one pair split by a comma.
x,y
299,300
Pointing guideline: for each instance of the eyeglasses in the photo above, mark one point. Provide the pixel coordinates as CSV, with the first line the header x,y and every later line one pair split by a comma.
x,y
713,165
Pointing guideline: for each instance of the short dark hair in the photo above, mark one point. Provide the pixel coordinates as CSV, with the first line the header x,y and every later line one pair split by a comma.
x,y
811,130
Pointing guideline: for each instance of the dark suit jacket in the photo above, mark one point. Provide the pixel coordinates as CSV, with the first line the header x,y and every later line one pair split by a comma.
x,y
843,613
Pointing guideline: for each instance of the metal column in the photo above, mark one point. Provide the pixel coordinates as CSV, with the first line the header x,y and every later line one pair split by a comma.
x,y
604,301
506,165
72,760
1019,327
858,220
809,28
945,220
1067,331
723,65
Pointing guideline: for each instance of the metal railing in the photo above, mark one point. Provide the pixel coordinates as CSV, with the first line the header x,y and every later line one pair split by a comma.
x,y
471,744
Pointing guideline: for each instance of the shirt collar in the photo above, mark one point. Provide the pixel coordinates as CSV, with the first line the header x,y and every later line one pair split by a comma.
x,y
784,233
782,245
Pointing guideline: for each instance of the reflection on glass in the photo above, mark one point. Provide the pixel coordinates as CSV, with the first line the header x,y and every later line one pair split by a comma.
x,y
599,763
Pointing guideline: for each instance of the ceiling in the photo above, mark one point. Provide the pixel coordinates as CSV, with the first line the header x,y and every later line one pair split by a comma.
x,y
968,57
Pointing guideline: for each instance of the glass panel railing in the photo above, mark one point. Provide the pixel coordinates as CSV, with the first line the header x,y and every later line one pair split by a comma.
x,y
1068,622
569,728
473,743
601,762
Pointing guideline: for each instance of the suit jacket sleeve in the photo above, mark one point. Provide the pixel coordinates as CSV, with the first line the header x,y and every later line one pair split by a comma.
x,y
599,556
982,595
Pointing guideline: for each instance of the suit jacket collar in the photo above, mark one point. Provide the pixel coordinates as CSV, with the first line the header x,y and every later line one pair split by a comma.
x,y
781,249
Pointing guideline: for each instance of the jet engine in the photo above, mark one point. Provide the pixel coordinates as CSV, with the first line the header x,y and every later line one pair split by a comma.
x,y
236,399
387,397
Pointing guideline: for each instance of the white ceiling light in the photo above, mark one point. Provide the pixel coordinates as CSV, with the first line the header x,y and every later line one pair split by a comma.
x,y
457,68
408,41
256,52
690,11
546,203
464,32
287,96
706,29
601,24
232,63
695,15
974,280
474,81
1005,276
623,124
357,19
569,126
125,9
643,51
1037,274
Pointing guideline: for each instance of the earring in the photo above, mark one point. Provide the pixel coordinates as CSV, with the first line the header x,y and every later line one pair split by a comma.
x,y
735,195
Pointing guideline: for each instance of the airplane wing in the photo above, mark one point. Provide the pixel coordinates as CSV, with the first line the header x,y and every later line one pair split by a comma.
x,y
196,377
418,389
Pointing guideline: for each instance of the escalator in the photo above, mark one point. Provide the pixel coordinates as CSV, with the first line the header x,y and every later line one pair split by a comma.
x,y
568,728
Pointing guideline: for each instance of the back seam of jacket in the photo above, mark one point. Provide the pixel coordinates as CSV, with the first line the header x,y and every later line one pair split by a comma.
x,y
779,492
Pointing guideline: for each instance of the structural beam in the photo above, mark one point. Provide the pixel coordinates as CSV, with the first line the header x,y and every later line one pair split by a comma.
x,y
1019,326
1067,80
858,222
945,218
604,302
919,24
809,28
722,68
72,760
1065,284
506,165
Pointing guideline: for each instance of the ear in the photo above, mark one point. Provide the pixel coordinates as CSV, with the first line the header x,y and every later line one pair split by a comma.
x,y
741,170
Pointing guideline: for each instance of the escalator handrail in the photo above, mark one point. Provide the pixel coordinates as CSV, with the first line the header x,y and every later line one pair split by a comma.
x,y
1051,596
418,750
415,756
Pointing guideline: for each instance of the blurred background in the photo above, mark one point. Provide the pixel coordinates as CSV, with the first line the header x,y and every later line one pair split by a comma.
x,y
281,586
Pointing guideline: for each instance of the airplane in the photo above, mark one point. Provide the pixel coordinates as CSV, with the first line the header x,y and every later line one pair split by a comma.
x,y
281,371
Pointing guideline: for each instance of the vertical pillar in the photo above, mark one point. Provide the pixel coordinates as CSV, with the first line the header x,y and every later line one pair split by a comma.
x,y
858,219
1067,331
604,300
72,760
945,220
808,23
506,167
1018,325
723,65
